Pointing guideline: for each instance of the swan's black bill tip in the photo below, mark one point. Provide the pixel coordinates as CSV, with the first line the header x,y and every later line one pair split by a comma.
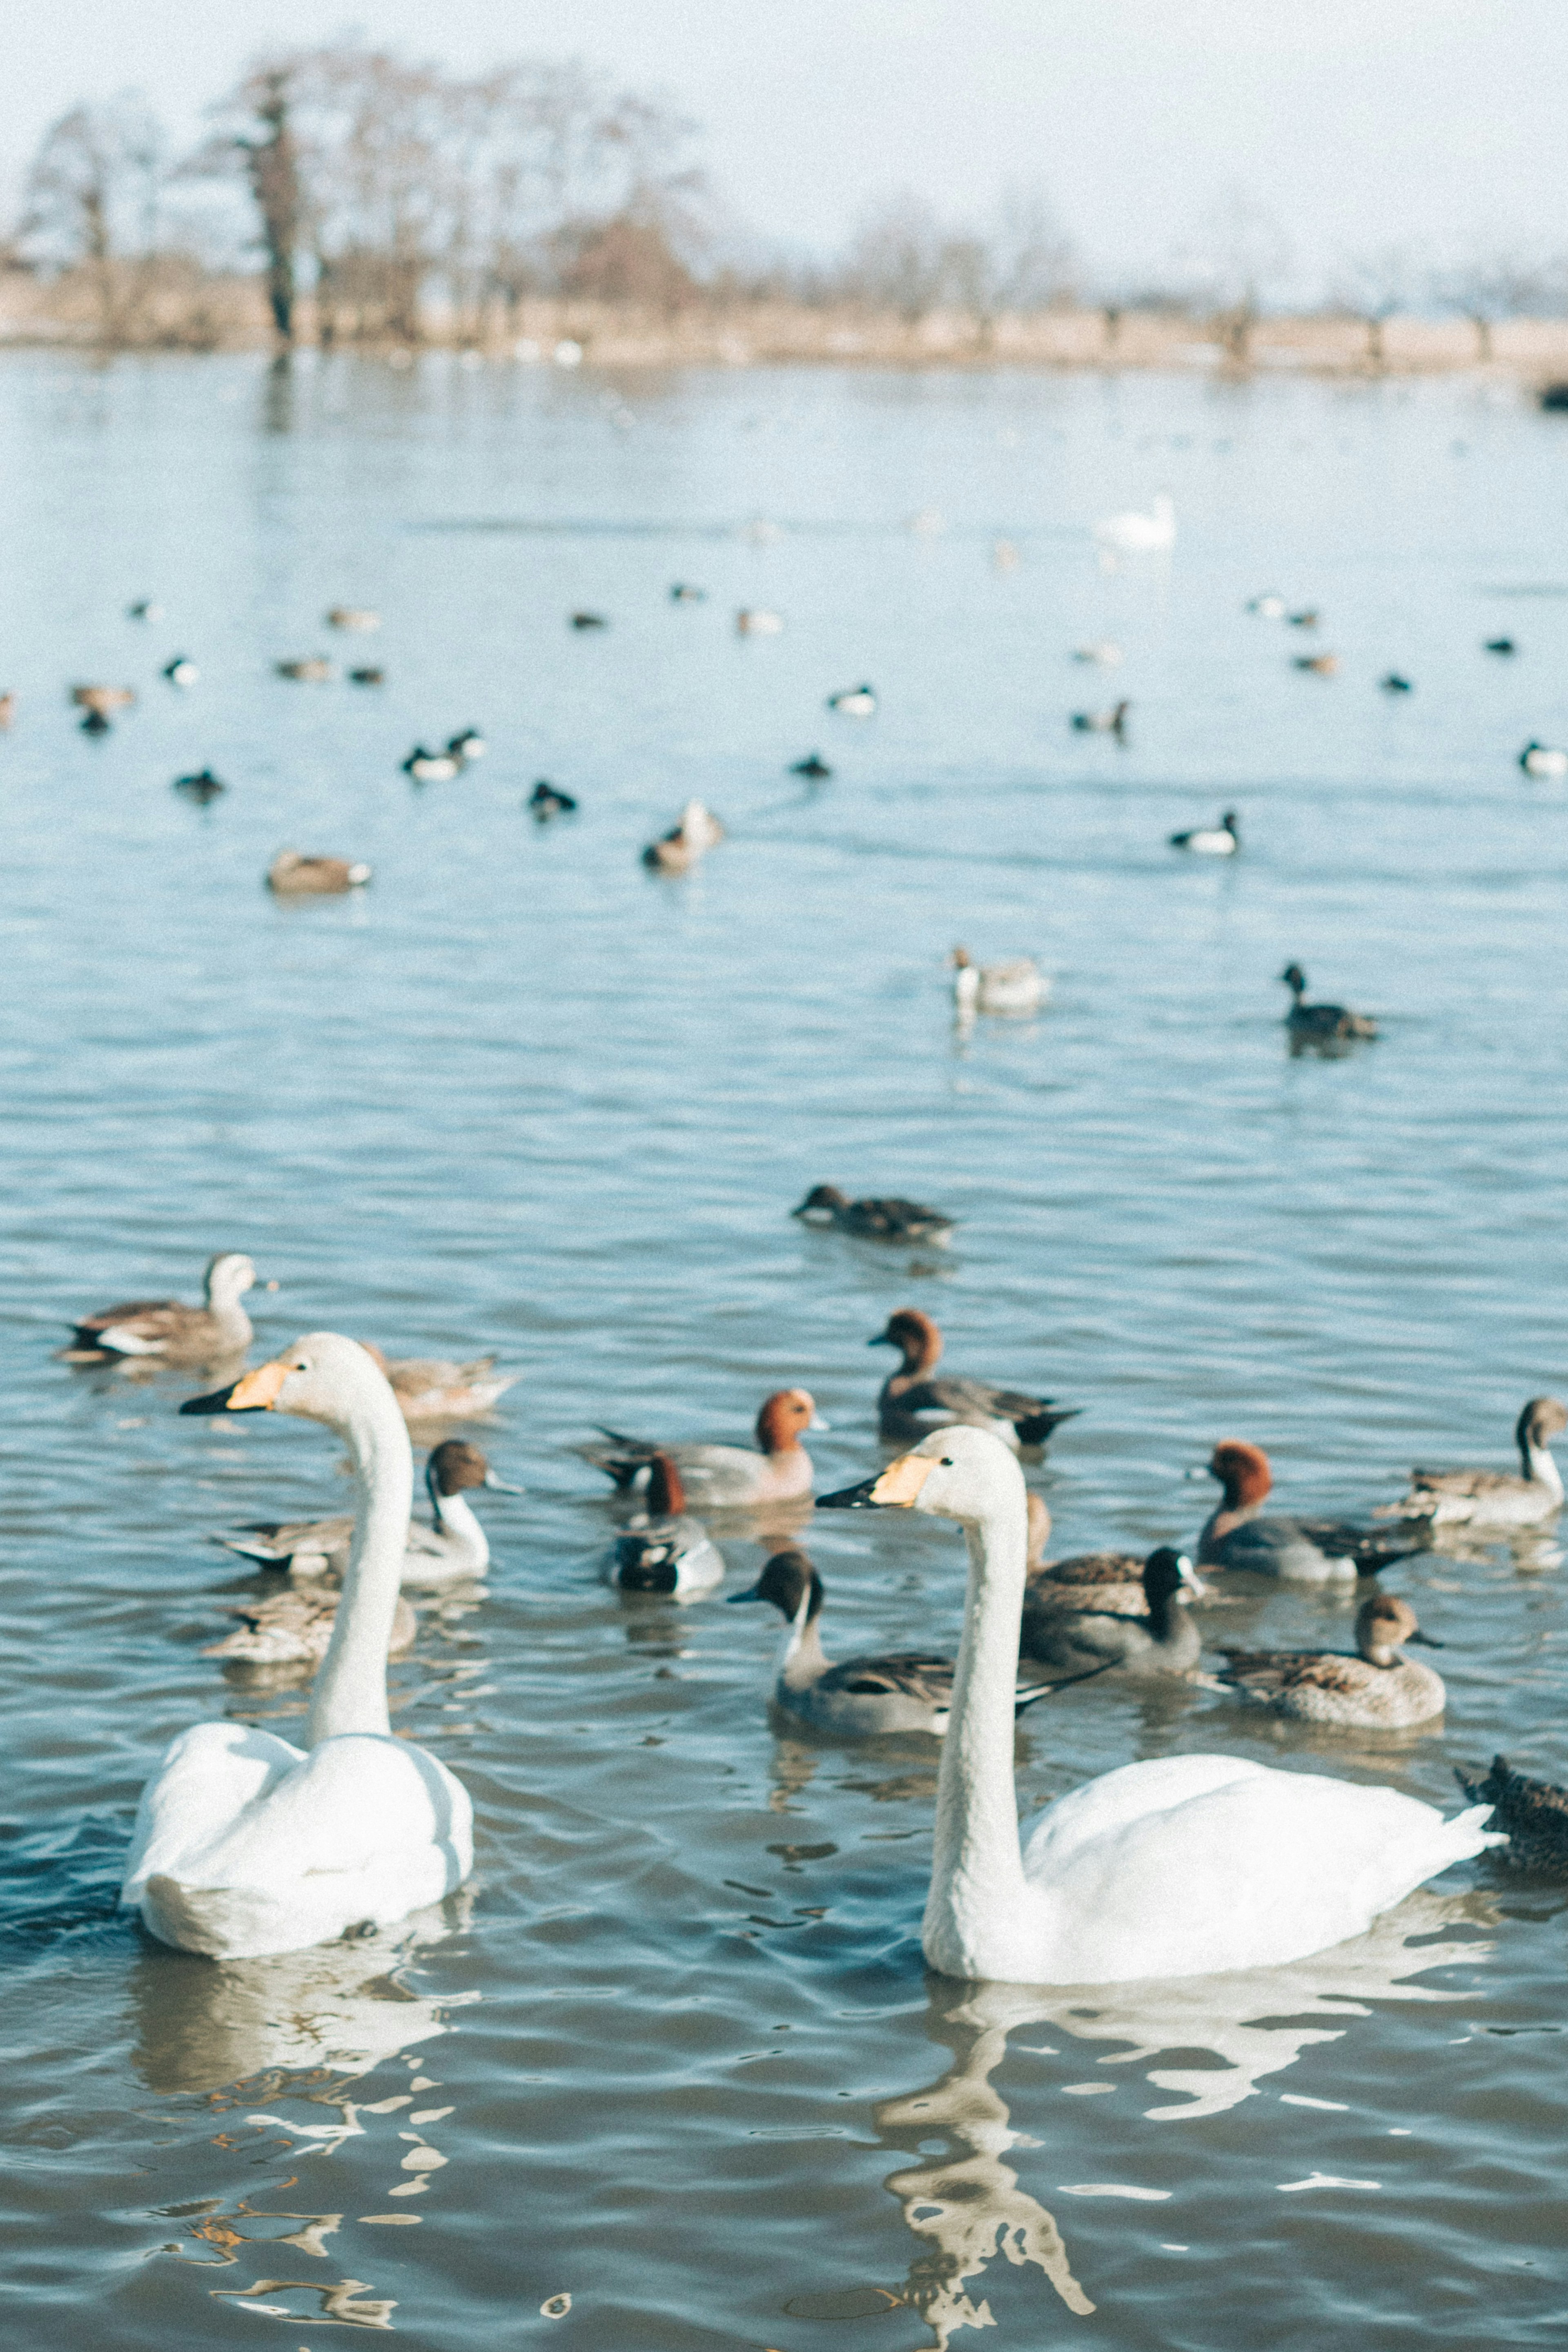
x,y
851,1498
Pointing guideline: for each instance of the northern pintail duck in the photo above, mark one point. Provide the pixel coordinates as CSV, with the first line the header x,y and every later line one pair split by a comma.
x,y
311,669
1014,987
1109,1582
427,767
814,768
1136,534
697,831
1493,1498
1102,722
683,592
294,1628
891,1692
1378,1689
1221,840
913,1403
1178,1866
451,1550
1544,759
1307,618
352,616
1534,1813
854,702
201,788
590,621
717,1475
293,875
169,1330
1320,1023
181,671
1319,665
886,1220
663,1550
546,801
755,621
145,609
1302,1550
371,674
103,701
1163,1639
432,1388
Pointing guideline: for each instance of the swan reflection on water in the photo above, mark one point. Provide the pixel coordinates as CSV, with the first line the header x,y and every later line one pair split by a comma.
x,y
965,2204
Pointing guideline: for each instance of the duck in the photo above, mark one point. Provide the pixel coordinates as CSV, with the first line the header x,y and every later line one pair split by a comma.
x,y
814,767
663,1550
1321,1020
293,875
1301,1550
433,1388
97,722
546,800
1111,1583
912,1402
432,767
145,609
1268,607
369,676
1016,986
854,702
201,788
1533,1812
168,1329
352,616
1221,840
1104,653
1308,618
683,592
1080,1642
311,669
246,1846
468,744
891,1692
887,1220
103,701
719,1474
7,710
1543,760
1500,645
1179,1866
1141,534
1378,1689
1493,1498
1102,722
453,1549
1319,665
181,671
697,831
590,621
755,621
294,1628
1396,683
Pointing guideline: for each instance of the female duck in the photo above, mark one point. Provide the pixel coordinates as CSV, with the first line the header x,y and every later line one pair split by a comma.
x,y
452,1550
1379,1689
889,1219
1165,1641
244,1845
778,1472
1494,1499
294,1628
169,1330
1109,1582
1534,1813
663,1550
1015,987
1305,1551
912,1402
906,1691
1320,1023
431,1388
1187,1865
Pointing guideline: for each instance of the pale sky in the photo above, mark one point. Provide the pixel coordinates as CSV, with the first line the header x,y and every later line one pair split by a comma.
x,y
1435,126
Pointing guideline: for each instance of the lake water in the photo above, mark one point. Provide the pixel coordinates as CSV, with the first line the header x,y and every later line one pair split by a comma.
x,y
673,2054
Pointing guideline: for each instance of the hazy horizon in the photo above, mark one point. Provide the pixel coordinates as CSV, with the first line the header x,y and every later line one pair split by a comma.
x,y
1372,125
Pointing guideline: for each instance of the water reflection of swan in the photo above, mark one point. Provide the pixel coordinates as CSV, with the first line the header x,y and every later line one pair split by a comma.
x,y
967,2205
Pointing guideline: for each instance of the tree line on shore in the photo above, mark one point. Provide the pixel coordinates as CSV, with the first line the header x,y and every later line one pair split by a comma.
x,y
384,201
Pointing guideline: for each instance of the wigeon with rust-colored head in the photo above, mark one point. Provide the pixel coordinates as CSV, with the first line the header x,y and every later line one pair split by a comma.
x,y
720,1475
1302,1550
912,1404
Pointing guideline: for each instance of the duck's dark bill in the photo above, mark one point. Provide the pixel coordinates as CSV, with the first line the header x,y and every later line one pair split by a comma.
x,y
217,1402
851,1498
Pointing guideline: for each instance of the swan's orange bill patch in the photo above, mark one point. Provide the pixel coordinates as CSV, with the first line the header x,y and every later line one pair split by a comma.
x,y
258,1390
901,1481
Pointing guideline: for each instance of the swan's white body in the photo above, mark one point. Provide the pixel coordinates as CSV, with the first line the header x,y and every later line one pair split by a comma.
x,y
244,1845
1183,1866
1138,534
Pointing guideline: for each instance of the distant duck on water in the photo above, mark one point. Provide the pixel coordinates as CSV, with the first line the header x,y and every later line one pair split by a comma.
x,y
169,1330
181,671
1135,534
1015,987
663,1550
1299,1551
696,832
854,702
546,801
886,1220
292,874
1319,665
1311,1023
432,767
470,744
311,670
756,621
1544,759
917,1398
1102,722
453,1549
201,788
814,767
1378,1689
1221,840
778,1470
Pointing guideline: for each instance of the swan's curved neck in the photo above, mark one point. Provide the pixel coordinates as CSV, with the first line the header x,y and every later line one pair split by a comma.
x,y
349,1689
977,1884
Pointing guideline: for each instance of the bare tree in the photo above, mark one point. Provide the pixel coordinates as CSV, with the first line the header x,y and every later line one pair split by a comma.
x,y
900,256
1373,288
1242,253
259,140
1489,288
92,202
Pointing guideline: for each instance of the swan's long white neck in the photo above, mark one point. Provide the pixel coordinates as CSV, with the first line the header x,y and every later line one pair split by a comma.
x,y
978,1891
349,1689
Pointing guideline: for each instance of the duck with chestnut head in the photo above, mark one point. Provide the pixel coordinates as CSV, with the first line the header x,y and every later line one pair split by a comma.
x,y
916,1399
720,1475
1239,1534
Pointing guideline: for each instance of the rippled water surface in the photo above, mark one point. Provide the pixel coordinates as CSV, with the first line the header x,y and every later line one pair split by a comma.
x,y
673,2054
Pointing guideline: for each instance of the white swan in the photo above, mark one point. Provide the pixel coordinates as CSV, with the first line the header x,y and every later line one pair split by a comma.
x,y
1183,1866
1138,534
243,1844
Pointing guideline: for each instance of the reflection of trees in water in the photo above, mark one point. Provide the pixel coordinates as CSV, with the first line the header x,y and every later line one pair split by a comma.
x,y
965,2205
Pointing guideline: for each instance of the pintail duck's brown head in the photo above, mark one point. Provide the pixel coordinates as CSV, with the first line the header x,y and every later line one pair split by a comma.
x,y
914,1335
788,1580
783,1417
1544,1419
456,1465
1243,1471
